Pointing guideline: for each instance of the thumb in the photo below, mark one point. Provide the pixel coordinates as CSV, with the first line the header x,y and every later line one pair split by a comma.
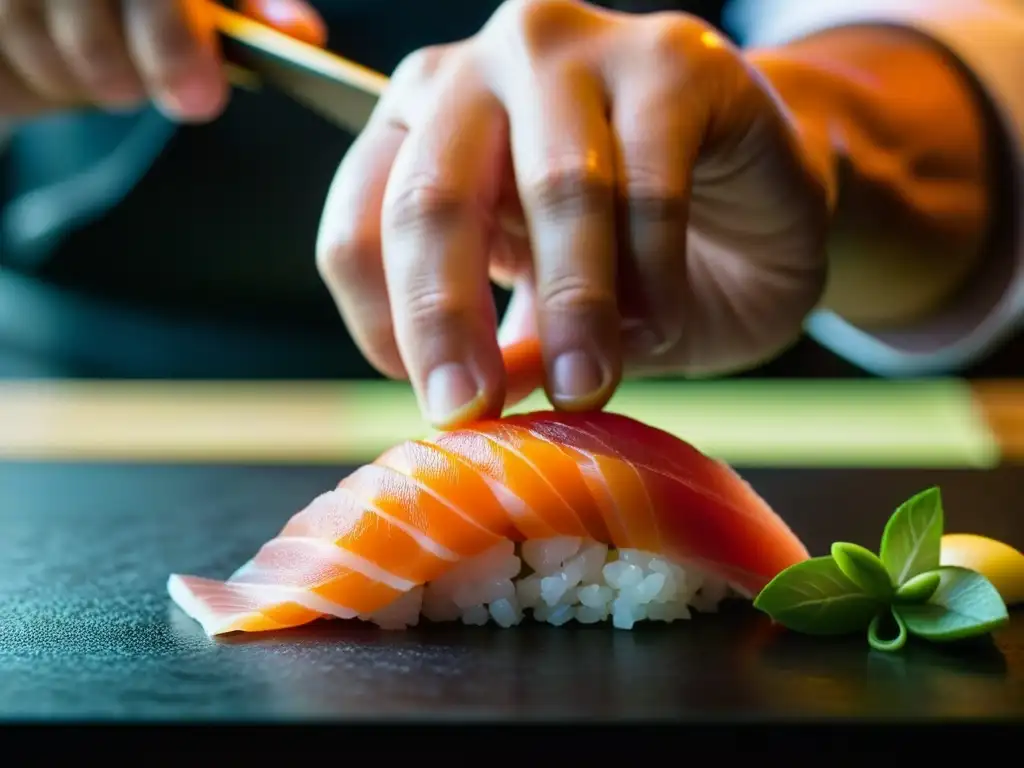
x,y
294,18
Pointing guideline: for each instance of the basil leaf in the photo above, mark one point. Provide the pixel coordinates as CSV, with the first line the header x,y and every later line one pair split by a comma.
x,y
912,541
964,605
919,589
816,598
864,569
880,638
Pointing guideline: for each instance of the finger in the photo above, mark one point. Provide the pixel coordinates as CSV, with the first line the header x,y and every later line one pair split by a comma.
x,y
564,166
657,142
31,52
436,238
349,244
18,99
173,44
293,17
91,39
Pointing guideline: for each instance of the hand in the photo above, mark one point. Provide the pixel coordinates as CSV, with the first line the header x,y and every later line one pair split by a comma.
x,y
630,176
114,54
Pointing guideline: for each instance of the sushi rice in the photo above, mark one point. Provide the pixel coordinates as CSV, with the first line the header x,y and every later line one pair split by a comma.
x,y
556,581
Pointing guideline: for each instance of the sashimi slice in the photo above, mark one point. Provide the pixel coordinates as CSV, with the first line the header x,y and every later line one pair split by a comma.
x,y
644,448
562,484
578,484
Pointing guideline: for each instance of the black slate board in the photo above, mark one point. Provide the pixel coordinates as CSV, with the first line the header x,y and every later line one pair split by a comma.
x,y
87,631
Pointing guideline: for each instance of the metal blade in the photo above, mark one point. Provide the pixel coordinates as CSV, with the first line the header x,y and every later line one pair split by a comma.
x,y
339,90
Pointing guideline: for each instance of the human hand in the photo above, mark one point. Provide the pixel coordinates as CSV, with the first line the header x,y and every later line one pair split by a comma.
x,y
630,176
118,53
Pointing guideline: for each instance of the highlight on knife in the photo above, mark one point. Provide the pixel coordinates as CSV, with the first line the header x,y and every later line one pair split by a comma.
x,y
340,90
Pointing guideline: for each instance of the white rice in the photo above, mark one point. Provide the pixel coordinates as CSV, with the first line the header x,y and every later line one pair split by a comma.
x,y
556,581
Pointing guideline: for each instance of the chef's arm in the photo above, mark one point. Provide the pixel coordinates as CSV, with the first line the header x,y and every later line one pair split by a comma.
x,y
900,131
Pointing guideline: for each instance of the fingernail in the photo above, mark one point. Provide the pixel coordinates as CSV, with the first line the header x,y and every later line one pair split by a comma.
x,y
280,11
193,98
295,19
451,391
576,376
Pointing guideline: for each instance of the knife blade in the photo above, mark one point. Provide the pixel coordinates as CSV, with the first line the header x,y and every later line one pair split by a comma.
x,y
340,90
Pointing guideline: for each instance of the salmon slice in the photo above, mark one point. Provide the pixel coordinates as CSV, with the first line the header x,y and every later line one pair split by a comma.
x,y
535,511
706,483
422,507
343,520
558,473
404,500
448,477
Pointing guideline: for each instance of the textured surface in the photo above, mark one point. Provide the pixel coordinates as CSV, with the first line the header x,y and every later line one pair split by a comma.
x,y
86,629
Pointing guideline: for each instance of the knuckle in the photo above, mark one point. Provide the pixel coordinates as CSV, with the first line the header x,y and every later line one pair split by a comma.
x,y
575,295
432,311
657,207
424,204
650,197
414,80
346,258
420,65
94,49
674,31
686,43
536,24
570,190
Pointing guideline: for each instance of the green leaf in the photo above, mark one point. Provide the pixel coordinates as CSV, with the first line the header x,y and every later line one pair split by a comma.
x,y
882,640
864,569
912,541
964,605
920,588
816,598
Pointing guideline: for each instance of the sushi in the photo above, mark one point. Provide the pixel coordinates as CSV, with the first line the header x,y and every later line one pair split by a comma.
x,y
552,516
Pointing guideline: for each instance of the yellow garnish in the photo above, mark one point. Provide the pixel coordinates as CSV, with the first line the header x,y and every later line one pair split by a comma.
x,y
1000,563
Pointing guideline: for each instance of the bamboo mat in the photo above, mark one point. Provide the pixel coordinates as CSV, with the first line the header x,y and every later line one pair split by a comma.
x,y
748,422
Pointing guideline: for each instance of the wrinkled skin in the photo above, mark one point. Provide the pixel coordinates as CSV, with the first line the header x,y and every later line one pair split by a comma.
x,y
630,176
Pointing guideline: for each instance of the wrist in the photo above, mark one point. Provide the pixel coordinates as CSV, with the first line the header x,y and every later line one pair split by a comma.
x,y
817,135
905,167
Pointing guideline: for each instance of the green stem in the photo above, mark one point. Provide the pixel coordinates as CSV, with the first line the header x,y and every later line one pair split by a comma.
x,y
880,643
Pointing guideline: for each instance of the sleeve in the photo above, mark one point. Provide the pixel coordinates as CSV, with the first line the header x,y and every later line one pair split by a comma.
x,y
987,36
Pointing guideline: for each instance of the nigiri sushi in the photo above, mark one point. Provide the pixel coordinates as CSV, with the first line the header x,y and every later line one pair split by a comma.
x,y
557,516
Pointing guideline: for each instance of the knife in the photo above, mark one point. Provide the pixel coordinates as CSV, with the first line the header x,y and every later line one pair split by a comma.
x,y
340,90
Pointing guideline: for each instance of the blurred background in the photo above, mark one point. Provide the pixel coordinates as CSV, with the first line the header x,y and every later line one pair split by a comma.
x,y
133,248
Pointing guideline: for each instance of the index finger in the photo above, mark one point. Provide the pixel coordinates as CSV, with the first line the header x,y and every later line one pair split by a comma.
x,y
436,236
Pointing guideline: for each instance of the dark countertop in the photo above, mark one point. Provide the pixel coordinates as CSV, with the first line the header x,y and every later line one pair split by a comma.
x,y
87,630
